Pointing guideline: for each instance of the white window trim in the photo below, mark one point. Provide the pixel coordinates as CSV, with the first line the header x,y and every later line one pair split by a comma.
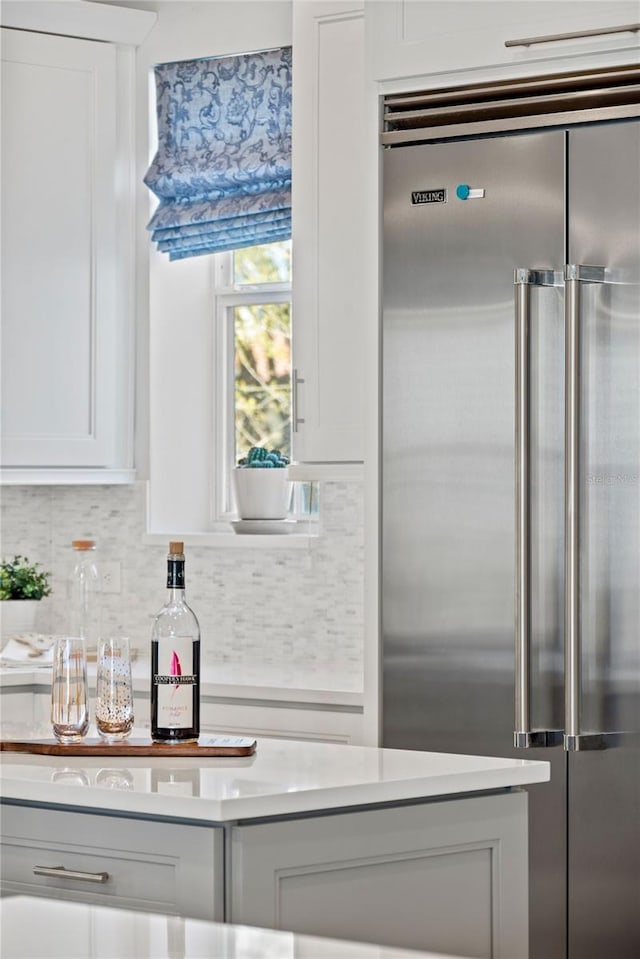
x,y
226,297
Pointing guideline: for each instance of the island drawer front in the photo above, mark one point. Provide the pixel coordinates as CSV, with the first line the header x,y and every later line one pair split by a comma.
x,y
155,866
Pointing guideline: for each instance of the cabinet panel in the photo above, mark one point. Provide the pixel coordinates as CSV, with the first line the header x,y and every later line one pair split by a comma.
x,y
271,721
418,37
321,725
47,207
62,326
160,867
16,712
328,205
445,876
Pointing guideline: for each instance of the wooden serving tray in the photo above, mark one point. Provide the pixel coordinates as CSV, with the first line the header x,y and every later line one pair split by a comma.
x,y
205,747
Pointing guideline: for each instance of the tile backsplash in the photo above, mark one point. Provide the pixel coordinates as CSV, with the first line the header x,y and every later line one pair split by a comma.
x,y
255,606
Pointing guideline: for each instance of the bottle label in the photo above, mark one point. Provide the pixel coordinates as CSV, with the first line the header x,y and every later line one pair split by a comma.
x,y
175,574
175,681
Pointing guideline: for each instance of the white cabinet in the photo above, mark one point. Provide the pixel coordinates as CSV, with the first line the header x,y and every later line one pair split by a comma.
x,y
446,876
328,205
26,707
22,708
155,866
411,38
321,724
277,720
16,711
66,256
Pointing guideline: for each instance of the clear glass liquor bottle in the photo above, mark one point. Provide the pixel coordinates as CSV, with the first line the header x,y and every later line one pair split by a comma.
x,y
175,661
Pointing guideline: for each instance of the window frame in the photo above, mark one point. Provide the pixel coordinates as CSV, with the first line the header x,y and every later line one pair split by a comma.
x,y
226,296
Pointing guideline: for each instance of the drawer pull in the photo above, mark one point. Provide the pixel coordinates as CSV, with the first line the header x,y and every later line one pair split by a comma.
x,y
576,35
59,871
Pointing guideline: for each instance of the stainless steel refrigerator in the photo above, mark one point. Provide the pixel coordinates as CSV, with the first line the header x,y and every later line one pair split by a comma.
x,y
510,545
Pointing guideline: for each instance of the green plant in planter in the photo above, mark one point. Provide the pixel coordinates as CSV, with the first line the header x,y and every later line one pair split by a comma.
x,y
260,458
21,580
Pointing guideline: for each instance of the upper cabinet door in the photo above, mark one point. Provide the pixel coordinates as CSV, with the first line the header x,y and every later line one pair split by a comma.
x,y
414,38
61,336
328,207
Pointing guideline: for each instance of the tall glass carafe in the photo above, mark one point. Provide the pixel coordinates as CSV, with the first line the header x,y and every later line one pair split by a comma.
x,y
84,594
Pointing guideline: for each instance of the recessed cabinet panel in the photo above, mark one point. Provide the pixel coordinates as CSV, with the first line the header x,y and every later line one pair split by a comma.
x,y
328,209
443,876
47,249
282,722
60,332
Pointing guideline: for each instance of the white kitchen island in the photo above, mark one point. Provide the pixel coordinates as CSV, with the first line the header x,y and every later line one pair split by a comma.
x,y
405,849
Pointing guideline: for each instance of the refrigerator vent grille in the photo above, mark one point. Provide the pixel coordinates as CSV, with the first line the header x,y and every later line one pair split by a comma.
x,y
478,109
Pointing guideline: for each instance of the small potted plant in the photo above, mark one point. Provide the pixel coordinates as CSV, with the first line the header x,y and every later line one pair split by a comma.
x,y
261,487
22,586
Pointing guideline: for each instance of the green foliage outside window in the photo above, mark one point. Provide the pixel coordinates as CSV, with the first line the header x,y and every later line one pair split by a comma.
x,y
262,354
270,263
262,377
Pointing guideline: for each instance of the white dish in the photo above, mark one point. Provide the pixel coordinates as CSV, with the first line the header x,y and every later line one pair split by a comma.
x,y
264,526
31,649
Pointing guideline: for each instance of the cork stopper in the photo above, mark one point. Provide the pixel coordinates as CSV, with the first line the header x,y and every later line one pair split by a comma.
x,y
83,544
176,547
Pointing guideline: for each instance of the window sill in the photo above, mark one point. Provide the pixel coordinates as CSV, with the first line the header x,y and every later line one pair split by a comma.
x,y
329,472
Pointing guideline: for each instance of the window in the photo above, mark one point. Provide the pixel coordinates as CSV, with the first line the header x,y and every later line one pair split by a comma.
x,y
221,171
252,289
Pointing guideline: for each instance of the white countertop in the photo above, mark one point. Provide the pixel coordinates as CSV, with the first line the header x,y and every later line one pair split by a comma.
x,y
282,777
268,682
43,929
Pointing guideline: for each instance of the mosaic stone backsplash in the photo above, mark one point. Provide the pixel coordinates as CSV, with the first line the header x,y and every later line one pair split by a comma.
x,y
270,606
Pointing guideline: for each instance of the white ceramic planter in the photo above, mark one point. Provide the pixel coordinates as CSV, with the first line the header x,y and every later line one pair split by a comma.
x,y
17,617
261,493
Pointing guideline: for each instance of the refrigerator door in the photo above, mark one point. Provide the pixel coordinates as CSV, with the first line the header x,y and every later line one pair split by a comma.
x,y
448,465
604,786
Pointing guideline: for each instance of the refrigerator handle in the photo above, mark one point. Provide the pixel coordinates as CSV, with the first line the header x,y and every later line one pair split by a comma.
x,y
524,737
574,738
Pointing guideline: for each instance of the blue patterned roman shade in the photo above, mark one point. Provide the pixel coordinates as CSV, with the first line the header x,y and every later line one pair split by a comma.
x,y
222,170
